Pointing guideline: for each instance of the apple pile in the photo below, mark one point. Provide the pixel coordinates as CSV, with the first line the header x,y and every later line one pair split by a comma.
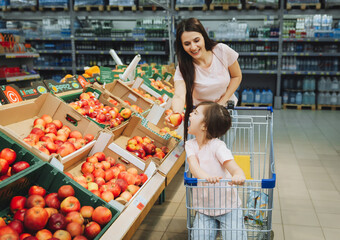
x,y
159,85
109,180
158,100
135,107
52,137
166,130
144,148
53,216
89,106
7,168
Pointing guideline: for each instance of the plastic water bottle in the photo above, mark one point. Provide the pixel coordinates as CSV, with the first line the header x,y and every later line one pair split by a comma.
x,y
263,96
322,84
334,98
292,97
328,84
257,96
335,84
328,98
244,96
285,83
305,98
269,97
321,98
299,84
250,96
298,98
285,97
312,84
312,98
305,85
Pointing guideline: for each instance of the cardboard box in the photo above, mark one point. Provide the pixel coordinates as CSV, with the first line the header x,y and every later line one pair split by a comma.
x,y
136,128
18,119
105,143
121,90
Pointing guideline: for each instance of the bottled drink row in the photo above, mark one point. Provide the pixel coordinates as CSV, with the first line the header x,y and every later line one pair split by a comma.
x,y
127,46
53,61
309,47
258,63
308,83
329,98
264,96
255,47
307,98
310,63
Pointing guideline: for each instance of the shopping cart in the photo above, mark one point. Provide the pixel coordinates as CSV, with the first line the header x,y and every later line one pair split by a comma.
x,y
251,141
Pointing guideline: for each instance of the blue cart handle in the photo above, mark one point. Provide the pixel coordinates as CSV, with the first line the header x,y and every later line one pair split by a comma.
x,y
265,183
270,108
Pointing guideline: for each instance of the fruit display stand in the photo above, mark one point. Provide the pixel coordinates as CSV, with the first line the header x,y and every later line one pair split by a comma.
x,y
51,180
105,144
20,117
22,156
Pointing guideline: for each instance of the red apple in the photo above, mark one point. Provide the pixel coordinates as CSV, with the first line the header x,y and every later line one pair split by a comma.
x,y
126,195
4,166
69,175
76,134
100,156
88,138
65,191
109,174
80,237
144,177
111,160
62,235
37,190
126,113
79,143
129,178
51,147
51,135
75,229
70,204
17,226
138,180
106,165
114,188
43,234
51,211
159,155
57,222
19,166
96,192
58,123
132,189
92,229
115,171
92,186
7,233
99,180
92,159
132,170
47,118
74,216
122,184
35,201
86,211
35,218
175,119
3,223
107,196
9,155
121,167
37,131
89,177
98,165
19,215
98,173
17,203
52,200
39,121
101,215
24,236
87,167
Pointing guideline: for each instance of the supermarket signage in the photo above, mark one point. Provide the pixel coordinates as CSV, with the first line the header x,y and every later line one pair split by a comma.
x,y
106,75
67,86
11,93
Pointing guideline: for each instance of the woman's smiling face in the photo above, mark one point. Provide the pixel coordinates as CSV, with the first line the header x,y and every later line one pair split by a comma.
x,y
193,43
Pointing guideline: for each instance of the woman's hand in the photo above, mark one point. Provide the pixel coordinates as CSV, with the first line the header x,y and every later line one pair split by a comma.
x,y
237,180
213,179
168,123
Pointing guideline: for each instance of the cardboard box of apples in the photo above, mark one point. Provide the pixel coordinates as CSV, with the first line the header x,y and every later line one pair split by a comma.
x,y
49,128
44,203
110,172
106,111
122,91
15,160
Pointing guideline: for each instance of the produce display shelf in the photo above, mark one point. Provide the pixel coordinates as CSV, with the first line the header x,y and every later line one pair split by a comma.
x,y
122,39
311,54
258,53
327,73
22,78
310,39
20,55
55,51
102,52
246,39
259,71
52,68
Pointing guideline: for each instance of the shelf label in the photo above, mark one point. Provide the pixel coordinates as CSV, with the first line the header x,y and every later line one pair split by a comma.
x,y
96,39
147,53
123,39
113,39
140,202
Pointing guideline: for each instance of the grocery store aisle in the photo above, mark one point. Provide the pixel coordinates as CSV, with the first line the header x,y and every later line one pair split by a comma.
x,y
307,195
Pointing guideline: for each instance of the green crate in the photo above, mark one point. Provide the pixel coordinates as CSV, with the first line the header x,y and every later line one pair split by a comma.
x,y
22,155
51,179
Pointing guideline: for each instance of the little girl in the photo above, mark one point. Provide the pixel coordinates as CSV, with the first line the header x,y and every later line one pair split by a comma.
x,y
217,204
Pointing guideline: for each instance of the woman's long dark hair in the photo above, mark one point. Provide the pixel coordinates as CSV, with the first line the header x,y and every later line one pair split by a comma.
x,y
185,62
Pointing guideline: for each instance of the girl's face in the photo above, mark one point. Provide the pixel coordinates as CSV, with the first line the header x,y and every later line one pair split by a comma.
x,y
196,121
194,44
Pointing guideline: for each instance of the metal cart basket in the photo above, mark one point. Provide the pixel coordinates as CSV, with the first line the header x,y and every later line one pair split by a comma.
x,y
251,141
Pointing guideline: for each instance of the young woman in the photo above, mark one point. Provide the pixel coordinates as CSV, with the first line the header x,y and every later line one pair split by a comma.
x,y
206,71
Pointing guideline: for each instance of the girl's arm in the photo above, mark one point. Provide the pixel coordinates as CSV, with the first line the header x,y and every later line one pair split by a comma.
x,y
236,172
235,80
198,172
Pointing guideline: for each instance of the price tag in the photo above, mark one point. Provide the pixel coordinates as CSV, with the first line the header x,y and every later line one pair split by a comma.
x,y
155,114
132,97
139,202
137,82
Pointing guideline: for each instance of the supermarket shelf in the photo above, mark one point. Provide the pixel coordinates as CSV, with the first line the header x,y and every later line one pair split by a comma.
x,y
52,68
21,78
20,55
122,52
311,54
259,71
330,73
121,39
49,39
246,39
311,40
258,53
55,51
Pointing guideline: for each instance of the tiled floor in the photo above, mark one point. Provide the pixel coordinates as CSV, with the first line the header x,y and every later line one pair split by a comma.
x,y
307,194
